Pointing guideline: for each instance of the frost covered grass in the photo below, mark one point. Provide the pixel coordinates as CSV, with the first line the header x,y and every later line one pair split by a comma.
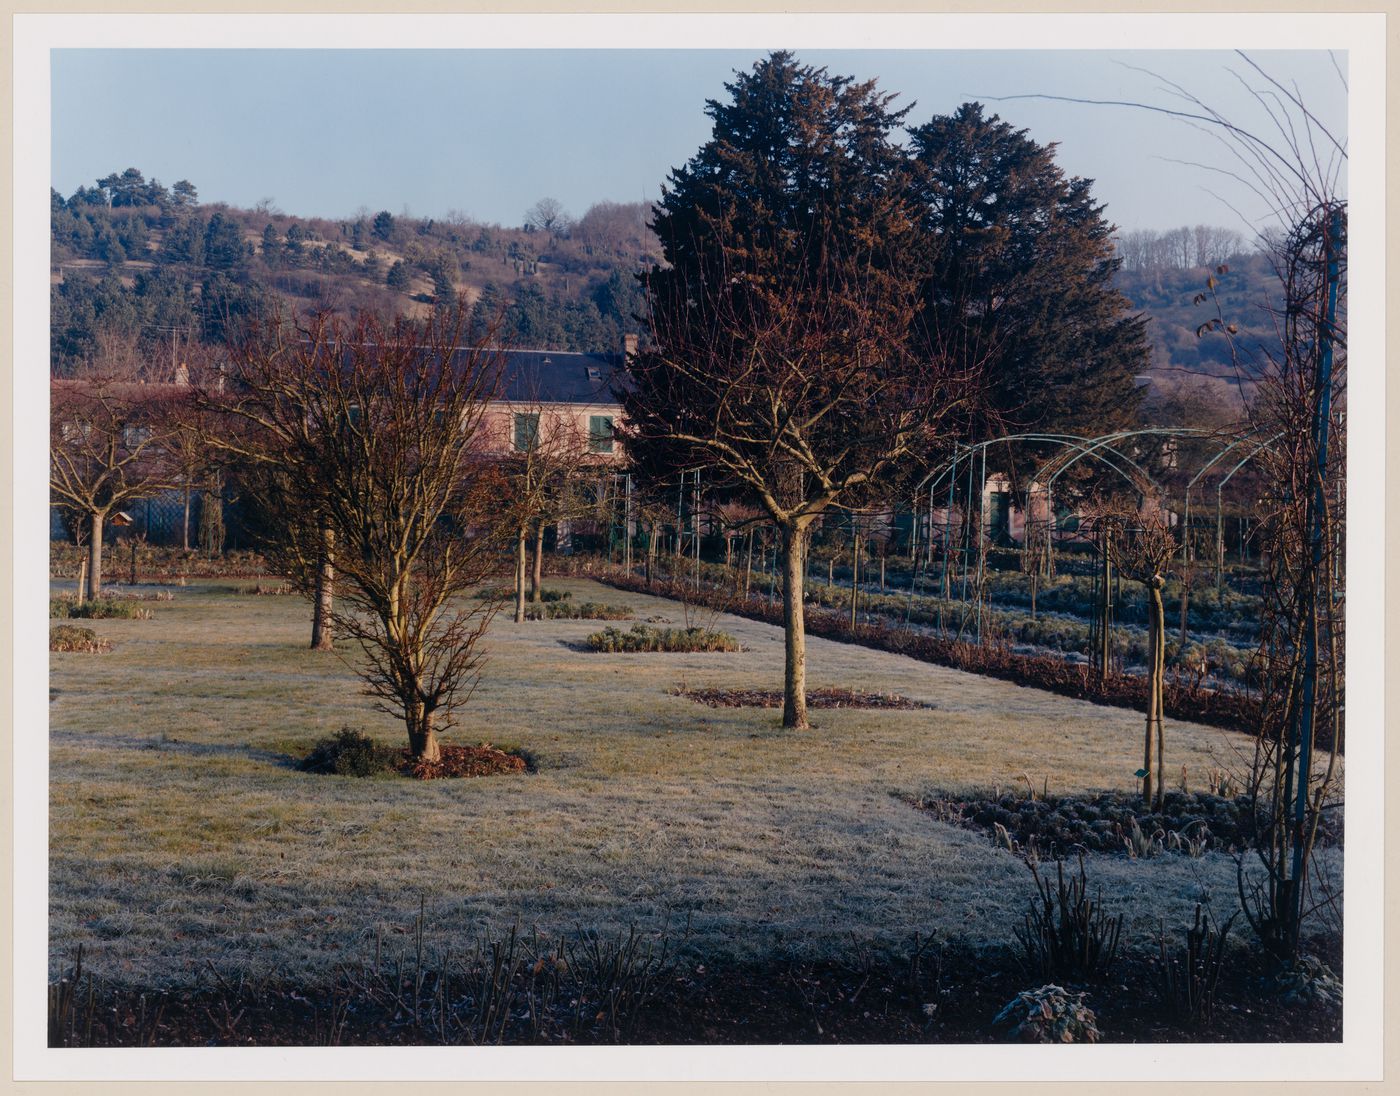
x,y
182,832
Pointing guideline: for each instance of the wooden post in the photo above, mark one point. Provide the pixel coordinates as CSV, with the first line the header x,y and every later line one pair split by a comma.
x,y
855,576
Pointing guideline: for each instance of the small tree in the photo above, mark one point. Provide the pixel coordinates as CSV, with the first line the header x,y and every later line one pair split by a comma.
x,y
548,453
375,428
108,434
1143,548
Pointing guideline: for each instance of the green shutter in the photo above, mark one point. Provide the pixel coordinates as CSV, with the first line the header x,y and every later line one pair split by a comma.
x,y
527,431
600,433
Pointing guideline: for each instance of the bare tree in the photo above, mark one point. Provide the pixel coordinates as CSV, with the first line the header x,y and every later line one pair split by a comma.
x,y
548,215
109,433
549,451
376,428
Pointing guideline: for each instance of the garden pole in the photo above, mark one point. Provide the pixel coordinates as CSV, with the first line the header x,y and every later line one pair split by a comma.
x,y
1219,544
1322,416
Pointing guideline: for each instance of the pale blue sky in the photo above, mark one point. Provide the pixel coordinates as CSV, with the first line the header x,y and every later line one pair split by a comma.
x,y
487,132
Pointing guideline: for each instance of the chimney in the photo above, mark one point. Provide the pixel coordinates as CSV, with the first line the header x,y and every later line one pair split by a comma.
x,y
182,375
629,346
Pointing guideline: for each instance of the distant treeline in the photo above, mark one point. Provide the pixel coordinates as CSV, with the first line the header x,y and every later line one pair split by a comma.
x,y
1181,248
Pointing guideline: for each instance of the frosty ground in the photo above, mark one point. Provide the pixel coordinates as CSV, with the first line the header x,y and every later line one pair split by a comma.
x,y
183,837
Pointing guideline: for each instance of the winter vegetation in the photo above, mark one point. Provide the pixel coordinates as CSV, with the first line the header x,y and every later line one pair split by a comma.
x,y
966,657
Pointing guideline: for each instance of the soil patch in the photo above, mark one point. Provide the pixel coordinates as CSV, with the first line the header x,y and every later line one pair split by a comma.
x,y
350,753
1192,823
816,698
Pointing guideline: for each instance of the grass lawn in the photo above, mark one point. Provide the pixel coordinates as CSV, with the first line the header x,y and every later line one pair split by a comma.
x,y
182,835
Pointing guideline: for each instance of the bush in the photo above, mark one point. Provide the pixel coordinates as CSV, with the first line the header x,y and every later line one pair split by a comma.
x,y
103,608
350,753
1048,1015
70,637
646,637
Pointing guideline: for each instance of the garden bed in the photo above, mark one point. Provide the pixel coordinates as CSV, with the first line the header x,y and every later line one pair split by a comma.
x,y
350,753
939,994
1111,822
816,698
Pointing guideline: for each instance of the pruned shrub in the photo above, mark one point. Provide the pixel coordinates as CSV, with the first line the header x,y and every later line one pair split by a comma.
x,y
1191,975
1065,934
646,637
71,638
1047,1015
350,753
102,608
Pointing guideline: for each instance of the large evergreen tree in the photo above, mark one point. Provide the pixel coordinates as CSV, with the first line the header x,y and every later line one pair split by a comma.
x,y
1022,277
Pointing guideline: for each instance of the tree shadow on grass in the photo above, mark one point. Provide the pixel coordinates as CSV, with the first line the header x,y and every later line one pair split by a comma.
x,y
164,743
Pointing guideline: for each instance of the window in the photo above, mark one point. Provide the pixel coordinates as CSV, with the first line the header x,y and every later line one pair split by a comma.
x,y
133,437
600,434
527,431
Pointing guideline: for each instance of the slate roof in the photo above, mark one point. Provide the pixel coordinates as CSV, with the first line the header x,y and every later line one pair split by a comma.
x,y
553,376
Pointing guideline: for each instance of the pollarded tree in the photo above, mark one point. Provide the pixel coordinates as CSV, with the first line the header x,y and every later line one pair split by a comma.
x,y
781,356
377,430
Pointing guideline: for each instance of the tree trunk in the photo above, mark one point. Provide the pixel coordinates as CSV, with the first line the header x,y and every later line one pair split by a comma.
x,y
185,529
520,576
94,575
537,569
132,577
794,635
1156,663
422,738
322,635
82,580
748,567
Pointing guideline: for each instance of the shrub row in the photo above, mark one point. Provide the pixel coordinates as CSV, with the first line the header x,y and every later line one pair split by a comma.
x,y
102,608
649,638
155,563
584,610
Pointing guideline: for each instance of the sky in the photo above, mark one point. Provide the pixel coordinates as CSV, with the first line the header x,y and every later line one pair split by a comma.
x,y
488,132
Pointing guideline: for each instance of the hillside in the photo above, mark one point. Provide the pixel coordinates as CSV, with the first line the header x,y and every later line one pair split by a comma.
x,y
1168,296
132,255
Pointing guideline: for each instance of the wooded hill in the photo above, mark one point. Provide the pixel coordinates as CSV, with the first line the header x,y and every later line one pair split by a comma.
x,y
131,255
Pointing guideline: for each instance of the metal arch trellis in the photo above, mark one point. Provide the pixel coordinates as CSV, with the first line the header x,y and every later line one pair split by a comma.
x,y
1267,443
1075,448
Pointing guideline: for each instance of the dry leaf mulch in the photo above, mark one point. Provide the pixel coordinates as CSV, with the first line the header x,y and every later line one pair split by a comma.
x,y
458,761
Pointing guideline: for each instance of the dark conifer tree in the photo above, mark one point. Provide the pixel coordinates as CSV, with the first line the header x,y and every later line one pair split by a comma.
x,y
1022,277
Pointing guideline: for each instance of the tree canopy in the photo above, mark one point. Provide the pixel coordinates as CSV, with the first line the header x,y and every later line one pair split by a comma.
x,y
1023,277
